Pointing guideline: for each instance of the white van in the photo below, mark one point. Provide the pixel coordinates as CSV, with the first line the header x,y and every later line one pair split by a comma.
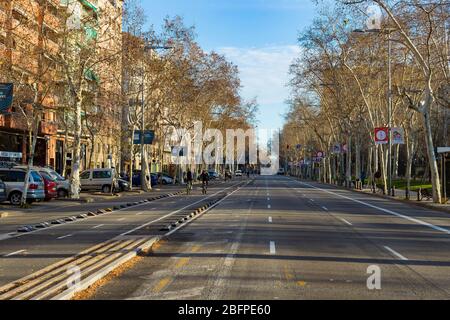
x,y
99,179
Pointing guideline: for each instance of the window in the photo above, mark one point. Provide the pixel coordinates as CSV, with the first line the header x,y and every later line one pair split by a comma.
x,y
16,176
4,176
36,176
85,175
101,174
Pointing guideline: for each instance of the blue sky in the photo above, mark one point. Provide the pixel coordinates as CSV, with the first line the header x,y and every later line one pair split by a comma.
x,y
260,36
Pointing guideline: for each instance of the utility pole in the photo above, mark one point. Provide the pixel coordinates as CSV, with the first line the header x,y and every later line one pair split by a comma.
x,y
146,187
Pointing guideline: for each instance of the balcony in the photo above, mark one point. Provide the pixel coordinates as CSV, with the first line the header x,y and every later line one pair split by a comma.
x,y
48,128
13,121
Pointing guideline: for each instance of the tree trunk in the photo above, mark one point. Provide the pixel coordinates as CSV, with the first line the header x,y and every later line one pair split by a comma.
x,y
76,156
435,181
349,163
34,133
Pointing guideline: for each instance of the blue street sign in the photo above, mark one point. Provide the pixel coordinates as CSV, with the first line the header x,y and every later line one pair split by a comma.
x,y
149,136
6,96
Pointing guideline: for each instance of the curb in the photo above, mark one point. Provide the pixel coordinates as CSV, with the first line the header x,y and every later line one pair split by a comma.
x,y
93,278
4,214
91,214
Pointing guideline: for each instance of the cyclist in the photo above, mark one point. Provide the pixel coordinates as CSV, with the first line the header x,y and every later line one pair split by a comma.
x,y
204,178
189,180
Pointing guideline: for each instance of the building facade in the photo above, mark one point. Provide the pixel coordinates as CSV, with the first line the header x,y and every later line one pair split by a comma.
x,y
31,33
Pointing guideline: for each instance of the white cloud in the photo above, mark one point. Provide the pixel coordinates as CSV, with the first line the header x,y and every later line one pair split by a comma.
x,y
263,71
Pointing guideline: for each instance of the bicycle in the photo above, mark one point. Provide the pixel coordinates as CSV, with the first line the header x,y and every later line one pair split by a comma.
x,y
189,188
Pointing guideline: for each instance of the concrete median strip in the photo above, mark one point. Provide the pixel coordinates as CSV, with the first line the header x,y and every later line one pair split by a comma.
x,y
54,223
57,281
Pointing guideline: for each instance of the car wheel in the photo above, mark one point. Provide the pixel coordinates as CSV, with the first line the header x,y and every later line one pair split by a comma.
x,y
62,193
106,189
164,182
15,198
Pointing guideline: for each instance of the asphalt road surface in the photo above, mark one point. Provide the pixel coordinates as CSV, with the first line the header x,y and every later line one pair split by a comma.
x,y
23,254
278,238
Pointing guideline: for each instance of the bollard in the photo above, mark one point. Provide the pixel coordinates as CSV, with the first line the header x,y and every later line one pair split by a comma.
x,y
419,194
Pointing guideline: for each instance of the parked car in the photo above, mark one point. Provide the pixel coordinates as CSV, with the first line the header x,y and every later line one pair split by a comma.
x,y
14,179
137,179
3,195
238,173
164,178
99,179
62,184
123,185
49,186
213,175
281,172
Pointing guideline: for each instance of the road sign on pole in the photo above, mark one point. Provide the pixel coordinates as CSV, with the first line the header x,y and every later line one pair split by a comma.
x,y
381,135
149,136
398,136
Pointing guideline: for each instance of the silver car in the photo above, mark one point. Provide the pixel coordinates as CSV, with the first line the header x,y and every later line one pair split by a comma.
x,y
99,179
14,182
3,195
62,185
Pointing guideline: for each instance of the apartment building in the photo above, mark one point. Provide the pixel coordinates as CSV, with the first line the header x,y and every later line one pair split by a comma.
x,y
31,33
28,41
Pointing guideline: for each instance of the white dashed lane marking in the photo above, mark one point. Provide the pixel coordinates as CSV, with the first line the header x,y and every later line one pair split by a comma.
x,y
270,219
345,221
14,253
63,237
395,253
272,247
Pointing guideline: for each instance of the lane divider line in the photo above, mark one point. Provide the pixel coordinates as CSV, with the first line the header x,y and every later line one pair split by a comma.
x,y
14,253
345,221
270,220
395,253
272,247
66,236
99,226
432,226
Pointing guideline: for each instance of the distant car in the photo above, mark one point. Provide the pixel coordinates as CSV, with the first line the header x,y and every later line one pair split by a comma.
x,y
3,195
238,173
49,186
99,179
137,179
62,184
164,178
213,175
14,179
281,172
123,185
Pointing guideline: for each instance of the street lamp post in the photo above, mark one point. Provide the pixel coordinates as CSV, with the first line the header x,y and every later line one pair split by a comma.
x,y
144,184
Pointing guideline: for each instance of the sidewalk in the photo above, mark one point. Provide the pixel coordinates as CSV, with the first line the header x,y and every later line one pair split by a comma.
x,y
400,195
